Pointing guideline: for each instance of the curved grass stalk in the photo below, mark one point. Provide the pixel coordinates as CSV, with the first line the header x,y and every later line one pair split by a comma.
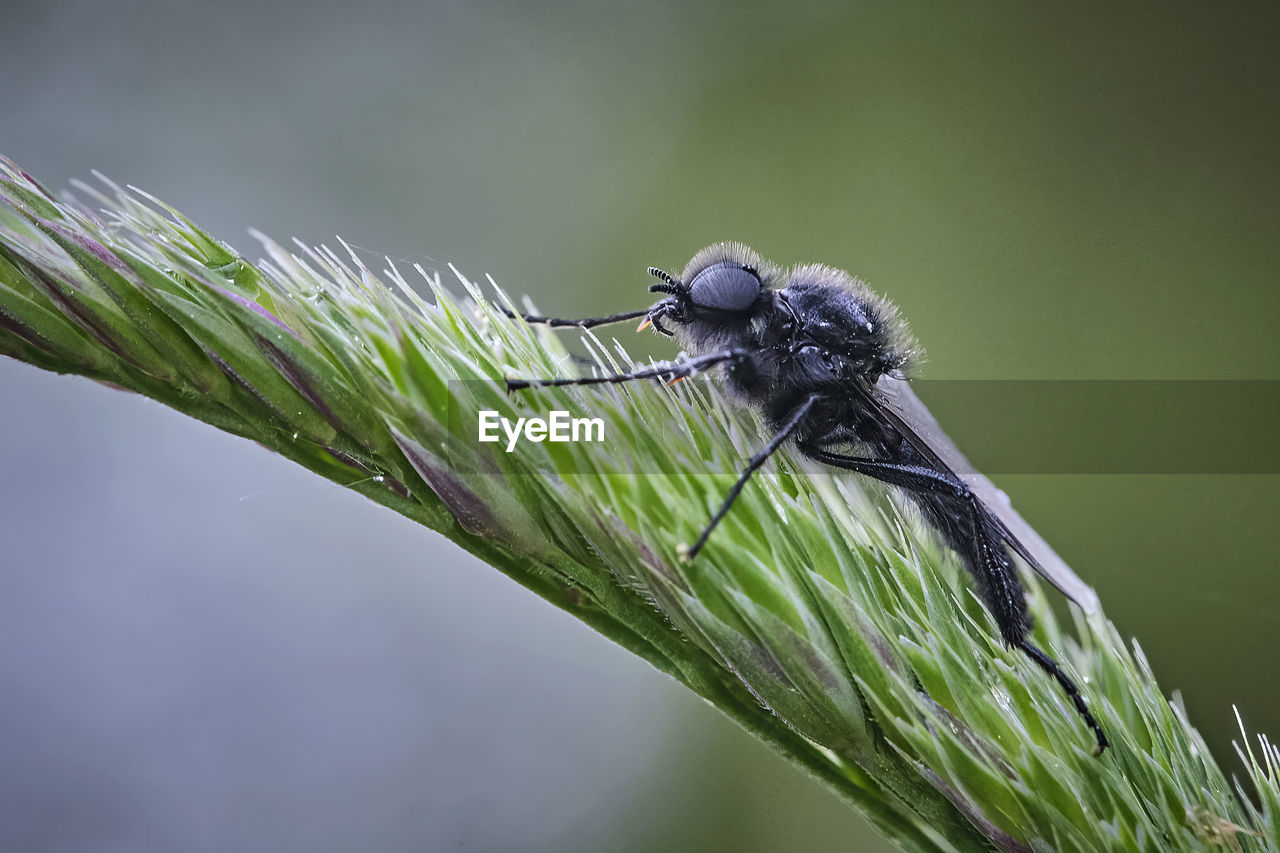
x,y
818,617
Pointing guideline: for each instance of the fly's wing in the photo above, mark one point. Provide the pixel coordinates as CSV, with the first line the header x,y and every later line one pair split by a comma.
x,y
900,405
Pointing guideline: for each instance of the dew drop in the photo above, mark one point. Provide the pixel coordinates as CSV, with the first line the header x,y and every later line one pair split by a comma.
x,y
1002,697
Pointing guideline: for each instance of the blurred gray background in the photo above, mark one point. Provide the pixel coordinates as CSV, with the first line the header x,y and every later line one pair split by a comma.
x,y
203,648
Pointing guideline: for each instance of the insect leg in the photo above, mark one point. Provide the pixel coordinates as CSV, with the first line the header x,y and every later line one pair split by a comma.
x,y
959,516
585,323
674,369
788,429
998,572
655,318
914,478
1068,686
919,479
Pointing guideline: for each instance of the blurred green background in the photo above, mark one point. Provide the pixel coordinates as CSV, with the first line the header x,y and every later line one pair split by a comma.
x,y
204,649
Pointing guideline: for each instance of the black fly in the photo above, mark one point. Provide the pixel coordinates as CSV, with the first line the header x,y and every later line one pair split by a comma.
x,y
823,358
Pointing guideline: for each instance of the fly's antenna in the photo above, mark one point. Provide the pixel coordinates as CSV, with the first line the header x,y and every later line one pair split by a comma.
x,y
672,285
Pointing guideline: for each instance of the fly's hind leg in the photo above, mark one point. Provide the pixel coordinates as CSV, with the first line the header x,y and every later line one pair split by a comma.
x,y
1054,669
993,572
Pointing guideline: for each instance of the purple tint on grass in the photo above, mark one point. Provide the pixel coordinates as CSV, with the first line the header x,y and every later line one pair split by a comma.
x,y
7,165
27,334
251,305
472,513
297,378
39,186
1003,840
93,247
87,320
239,379
397,487
385,479
648,556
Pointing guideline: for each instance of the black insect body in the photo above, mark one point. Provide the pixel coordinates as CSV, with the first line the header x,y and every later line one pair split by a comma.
x,y
822,357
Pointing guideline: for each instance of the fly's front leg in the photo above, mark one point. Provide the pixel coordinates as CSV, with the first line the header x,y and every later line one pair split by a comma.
x,y
672,369
584,323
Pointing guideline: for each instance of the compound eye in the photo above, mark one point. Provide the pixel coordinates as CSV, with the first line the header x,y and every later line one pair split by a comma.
x,y
725,286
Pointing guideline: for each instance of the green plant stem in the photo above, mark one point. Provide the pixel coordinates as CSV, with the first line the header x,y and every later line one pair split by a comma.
x,y
820,618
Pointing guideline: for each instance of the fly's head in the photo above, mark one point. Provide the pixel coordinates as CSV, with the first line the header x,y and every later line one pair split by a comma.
x,y
720,300
825,322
